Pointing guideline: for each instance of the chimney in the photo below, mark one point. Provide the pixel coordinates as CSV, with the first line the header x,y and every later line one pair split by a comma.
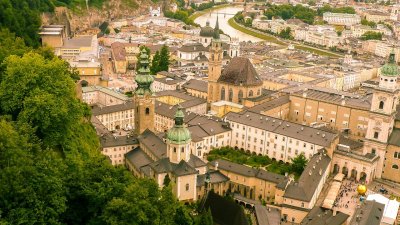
x,y
216,165
334,213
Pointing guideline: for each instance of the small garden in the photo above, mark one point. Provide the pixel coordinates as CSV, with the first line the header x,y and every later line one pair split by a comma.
x,y
296,166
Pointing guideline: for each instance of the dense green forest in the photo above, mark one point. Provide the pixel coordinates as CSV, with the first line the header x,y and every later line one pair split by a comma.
x,y
51,169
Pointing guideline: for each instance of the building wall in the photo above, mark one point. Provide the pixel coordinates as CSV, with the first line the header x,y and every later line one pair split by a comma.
x,y
275,146
118,120
336,116
392,159
197,93
185,188
101,98
294,215
339,161
117,153
281,112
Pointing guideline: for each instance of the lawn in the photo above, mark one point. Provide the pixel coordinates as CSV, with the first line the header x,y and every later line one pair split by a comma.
x,y
254,160
266,37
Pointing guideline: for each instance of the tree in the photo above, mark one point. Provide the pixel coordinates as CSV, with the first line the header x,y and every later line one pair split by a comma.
x,y
205,218
286,33
371,35
155,63
167,180
368,23
182,216
298,164
164,59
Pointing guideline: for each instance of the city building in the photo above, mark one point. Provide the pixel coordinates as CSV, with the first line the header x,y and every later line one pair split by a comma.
x,y
341,18
101,96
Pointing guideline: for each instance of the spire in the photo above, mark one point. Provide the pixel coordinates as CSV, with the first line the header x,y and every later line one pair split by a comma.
x,y
143,77
216,30
179,133
179,116
392,57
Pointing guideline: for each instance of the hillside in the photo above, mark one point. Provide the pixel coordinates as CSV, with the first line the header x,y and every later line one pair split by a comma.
x,y
24,17
79,16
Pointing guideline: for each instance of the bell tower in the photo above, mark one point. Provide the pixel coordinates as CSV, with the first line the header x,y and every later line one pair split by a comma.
x,y
178,139
385,99
214,65
143,97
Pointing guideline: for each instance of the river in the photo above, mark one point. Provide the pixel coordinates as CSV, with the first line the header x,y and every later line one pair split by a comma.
x,y
223,22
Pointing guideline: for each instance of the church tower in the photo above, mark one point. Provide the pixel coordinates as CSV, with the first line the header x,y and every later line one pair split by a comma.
x,y
178,139
143,97
214,65
385,99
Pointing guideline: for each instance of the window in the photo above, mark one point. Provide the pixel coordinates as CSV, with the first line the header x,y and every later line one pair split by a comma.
x,y
376,134
397,155
250,93
174,149
182,149
147,111
230,94
187,187
381,104
240,96
394,166
222,93
373,151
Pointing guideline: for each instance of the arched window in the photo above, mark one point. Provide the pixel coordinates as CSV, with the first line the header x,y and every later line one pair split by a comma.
x,y
381,104
258,92
230,94
240,96
147,111
187,187
250,93
394,166
182,149
222,93
174,149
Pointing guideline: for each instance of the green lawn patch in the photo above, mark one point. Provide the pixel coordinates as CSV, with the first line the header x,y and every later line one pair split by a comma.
x,y
266,37
257,161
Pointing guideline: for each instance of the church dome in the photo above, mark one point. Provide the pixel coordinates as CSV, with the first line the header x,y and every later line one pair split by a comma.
x,y
179,133
390,69
207,31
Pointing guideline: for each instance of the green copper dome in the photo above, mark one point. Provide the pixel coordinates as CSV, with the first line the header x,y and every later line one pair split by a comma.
x,y
179,133
207,31
390,69
143,77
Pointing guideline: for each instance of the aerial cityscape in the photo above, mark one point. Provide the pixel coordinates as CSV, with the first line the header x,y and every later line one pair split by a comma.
x,y
200,112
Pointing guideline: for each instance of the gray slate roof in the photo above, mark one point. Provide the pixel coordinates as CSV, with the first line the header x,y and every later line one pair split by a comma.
x,y
370,213
96,110
265,106
307,184
321,216
152,142
198,85
138,158
114,141
394,138
283,127
240,71
215,178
